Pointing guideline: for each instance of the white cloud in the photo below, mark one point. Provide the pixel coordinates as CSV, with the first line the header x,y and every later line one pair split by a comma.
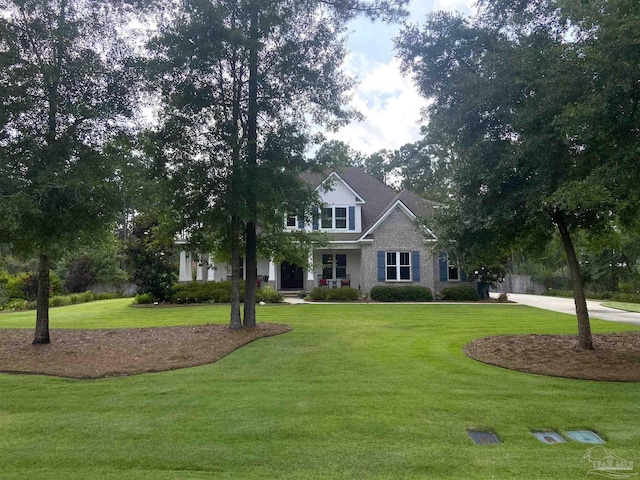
x,y
390,103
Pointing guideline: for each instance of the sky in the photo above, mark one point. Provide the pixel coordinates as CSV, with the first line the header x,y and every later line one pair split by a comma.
x,y
388,100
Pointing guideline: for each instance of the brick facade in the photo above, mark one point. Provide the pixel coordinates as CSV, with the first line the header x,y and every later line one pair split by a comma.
x,y
398,232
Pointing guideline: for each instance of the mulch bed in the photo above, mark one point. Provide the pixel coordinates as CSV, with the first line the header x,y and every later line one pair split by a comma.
x,y
616,356
122,352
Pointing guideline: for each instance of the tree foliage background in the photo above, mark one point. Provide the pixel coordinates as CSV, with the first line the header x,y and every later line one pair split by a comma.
x,y
537,111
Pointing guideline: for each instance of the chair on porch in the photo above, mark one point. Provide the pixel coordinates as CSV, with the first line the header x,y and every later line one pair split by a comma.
x,y
346,282
322,282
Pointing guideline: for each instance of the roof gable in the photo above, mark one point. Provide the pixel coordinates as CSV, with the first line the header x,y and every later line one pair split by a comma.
x,y
378,199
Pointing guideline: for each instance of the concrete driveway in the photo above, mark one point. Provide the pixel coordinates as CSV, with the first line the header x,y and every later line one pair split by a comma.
x,y
566,305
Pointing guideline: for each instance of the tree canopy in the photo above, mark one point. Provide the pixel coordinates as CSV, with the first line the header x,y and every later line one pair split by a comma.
x,y
540,111
64,90
241,84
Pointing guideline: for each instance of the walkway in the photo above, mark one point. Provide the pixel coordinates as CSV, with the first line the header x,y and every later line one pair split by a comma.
x,y
566,305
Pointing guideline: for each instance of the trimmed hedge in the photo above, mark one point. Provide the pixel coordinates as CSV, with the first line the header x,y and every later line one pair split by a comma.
x,y
344,294
407,293
592,295
461,293
203,292
16,304
626,297
217,292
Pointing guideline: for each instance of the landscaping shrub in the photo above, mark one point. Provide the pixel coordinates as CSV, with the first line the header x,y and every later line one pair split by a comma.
x,y
203,292
268,294
60,301
343,294
569,294
4,298
461,293
149,254
16,305
15,284
79,276
143,299
407,293
503,297
25,285
626,297
319,293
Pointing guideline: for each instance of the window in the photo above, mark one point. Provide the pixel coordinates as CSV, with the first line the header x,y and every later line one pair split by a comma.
x,y
292,221
241,265
334,218
398,266
334,266
327,218
341,217
452,272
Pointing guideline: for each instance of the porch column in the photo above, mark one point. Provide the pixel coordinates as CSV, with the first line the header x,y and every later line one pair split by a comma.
x,y
272,274
185,267
202,273
211,271
310,273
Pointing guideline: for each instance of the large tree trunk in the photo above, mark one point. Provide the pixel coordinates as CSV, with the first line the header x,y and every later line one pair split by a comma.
x,y
236,322
584,328
252,160
42,314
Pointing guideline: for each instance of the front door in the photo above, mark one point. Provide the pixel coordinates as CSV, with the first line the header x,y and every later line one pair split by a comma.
x,y
291,277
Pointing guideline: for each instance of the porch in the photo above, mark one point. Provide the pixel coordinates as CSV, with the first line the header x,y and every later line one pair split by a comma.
x,y
336,268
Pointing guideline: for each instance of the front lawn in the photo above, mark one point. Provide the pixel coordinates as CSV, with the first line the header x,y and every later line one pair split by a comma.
x,y
354,391
627,307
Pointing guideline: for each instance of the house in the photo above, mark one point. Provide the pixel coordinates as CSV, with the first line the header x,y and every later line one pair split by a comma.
x,y
375,239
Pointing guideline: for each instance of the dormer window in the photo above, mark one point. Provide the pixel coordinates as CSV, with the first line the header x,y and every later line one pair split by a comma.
x,y
334,218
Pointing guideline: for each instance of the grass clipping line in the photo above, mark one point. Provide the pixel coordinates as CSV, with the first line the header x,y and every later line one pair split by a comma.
x,y
615,357
123,352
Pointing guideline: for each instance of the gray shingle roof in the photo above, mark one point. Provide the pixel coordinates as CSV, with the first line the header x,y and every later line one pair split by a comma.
x,y
378,197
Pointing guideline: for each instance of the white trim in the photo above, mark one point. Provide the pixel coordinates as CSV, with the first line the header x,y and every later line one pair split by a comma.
x,y
405,209
398,203
398,266
359,199
333,228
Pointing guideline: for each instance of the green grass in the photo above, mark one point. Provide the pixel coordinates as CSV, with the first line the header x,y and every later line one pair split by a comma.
x,y
354,391
627,307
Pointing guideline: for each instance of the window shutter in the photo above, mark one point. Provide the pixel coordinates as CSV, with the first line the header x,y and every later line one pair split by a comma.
x,y
381,266
415,266
463,275
301,219
444,273
352,218
316,217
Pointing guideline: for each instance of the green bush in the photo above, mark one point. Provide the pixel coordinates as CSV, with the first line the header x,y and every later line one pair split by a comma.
x,y
16,305
460,293
569,294
4,298
60,301
406,293
268,295
626,297
25,285
319,293
343,294
143,298
203,292
15,284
